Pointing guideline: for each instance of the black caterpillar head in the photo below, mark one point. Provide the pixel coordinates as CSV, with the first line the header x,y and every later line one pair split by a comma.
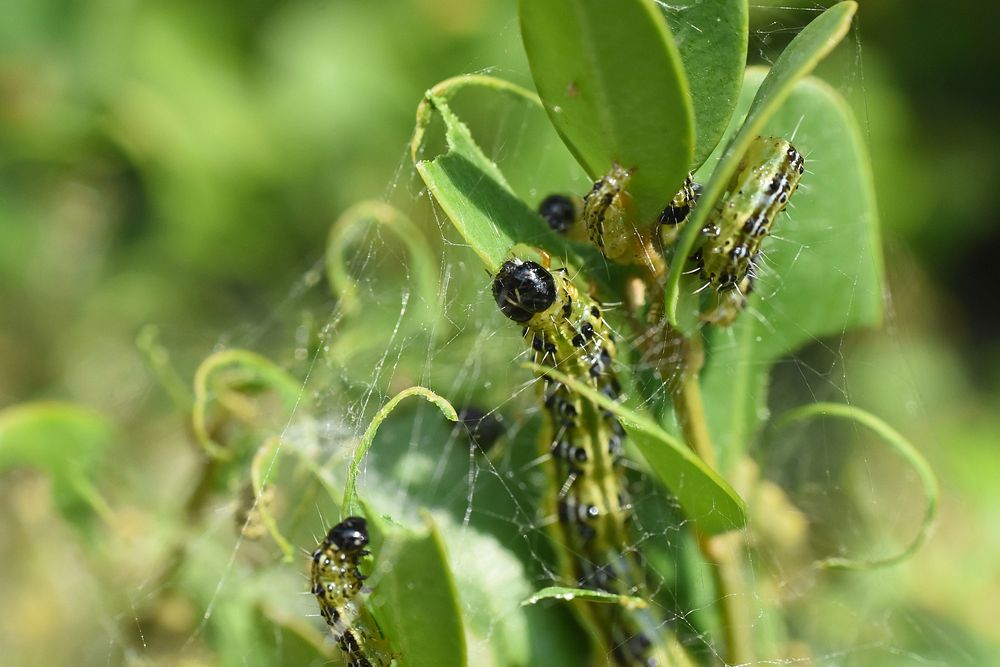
x,y
559,211
351,534
522,289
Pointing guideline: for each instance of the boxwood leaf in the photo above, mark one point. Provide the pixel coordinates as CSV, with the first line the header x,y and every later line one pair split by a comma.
x,y
350,503
412,573
470,188
712,40
611,80
588,594
66,441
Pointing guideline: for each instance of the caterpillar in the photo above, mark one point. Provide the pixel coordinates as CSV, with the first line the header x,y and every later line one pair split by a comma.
x,y
731,302
337,583
764,181
566,329
599,216
604,211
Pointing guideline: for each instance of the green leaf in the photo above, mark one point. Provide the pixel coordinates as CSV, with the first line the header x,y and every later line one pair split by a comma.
x,y
240,398
611,80
588,594
498,630
414,595
66,441
296,639
822,272
469,186
705,497
712,40
239,629
350,505
796,61
904,448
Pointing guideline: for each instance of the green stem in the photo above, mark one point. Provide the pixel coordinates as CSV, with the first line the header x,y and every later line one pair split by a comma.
x,y
690,412
723,552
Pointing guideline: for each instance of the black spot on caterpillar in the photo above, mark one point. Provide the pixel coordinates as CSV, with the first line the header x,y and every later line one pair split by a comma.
x,y
337,583
566,330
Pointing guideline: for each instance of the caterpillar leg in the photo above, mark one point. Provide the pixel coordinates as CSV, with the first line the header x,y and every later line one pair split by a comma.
x,y
731,302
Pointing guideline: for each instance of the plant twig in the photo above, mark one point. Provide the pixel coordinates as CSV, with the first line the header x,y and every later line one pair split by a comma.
x,y
723,552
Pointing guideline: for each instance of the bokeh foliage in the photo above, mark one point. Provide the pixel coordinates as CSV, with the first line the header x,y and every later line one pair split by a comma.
x,y
181,163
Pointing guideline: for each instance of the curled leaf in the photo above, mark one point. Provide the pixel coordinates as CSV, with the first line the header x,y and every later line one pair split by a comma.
x,y
239,399
355,221
262,470
904,448
350,504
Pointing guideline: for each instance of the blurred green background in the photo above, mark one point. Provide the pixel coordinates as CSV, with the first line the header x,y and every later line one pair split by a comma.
x,y
179,162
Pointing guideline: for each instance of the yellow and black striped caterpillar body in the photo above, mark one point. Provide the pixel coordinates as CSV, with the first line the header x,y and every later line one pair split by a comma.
x,y
764,181
567,330
337,583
